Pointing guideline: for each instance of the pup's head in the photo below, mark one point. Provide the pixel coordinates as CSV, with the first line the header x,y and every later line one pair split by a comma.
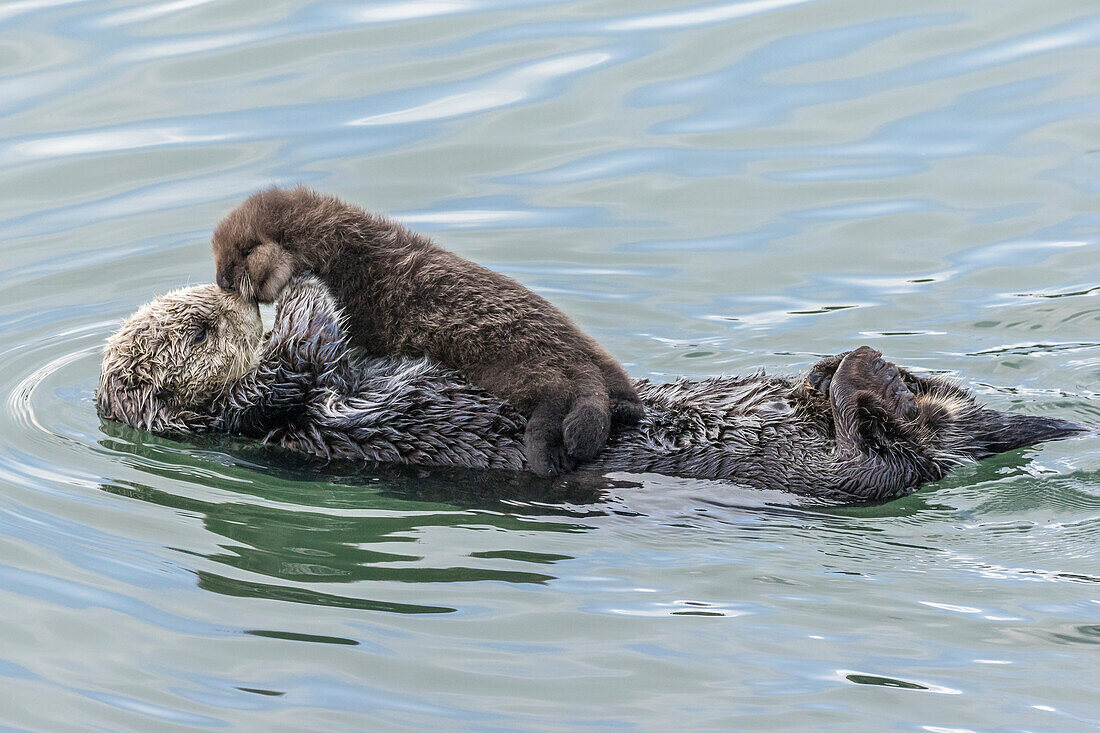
x,y
262,243
175,354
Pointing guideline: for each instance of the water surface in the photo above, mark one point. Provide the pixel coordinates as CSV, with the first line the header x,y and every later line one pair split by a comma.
x,y
707,188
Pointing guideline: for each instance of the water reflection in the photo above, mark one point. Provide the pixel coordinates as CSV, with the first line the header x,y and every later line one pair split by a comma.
x,y
304,525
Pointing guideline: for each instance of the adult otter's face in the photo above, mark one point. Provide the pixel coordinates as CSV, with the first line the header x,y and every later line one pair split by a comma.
x,y
254,252
177,352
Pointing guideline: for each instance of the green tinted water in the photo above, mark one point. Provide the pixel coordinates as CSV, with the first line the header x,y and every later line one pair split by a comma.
x,y
705,188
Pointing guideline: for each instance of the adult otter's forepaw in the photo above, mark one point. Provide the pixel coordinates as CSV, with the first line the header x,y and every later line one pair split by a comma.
x,y
307,307
306,287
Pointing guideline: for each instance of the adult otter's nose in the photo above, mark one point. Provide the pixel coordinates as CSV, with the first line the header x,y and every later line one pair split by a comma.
x,y
226,283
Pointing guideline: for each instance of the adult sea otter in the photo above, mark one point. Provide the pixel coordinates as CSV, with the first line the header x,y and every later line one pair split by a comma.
x,y
854,428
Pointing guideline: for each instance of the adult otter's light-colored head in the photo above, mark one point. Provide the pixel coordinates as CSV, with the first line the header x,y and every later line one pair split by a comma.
x,y
175,354
258,247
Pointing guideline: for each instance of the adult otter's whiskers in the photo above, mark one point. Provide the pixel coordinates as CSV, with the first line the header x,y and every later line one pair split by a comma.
x,y
855,427
247,291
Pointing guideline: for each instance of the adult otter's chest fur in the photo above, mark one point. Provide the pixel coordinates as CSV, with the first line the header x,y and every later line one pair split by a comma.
x,y
404,295
418,412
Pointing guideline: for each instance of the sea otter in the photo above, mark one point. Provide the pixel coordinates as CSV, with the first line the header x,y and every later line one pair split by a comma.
x,y
855,428
405,295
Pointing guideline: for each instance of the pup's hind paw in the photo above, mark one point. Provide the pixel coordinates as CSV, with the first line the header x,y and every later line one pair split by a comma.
x,y
626,410
543,443
548,458
585,429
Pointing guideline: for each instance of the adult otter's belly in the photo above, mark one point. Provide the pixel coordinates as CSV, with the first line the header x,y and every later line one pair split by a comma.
x,y
741,428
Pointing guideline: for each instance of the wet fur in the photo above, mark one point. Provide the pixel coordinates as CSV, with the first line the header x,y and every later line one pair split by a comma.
x,y
155,369
310,392
403,295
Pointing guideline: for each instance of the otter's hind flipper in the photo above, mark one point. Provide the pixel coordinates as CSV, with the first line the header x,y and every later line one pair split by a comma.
x,y
996,432
571,423
866,384
874,399
962,426
587,423
821,375
586,426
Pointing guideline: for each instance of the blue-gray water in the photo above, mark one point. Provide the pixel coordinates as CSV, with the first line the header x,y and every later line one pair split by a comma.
x,y
706,188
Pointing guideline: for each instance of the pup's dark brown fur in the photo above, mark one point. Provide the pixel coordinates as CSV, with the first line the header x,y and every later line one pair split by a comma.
x,y
405,295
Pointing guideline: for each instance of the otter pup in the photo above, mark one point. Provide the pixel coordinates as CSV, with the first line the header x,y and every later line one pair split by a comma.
x,y
404,295
855,428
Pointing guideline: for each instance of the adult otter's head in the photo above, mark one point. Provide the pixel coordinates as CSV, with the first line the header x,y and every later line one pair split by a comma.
x,y
175,354
276,234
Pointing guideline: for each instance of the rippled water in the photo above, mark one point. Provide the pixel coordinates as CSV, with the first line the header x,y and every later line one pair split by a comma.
x,y
706,188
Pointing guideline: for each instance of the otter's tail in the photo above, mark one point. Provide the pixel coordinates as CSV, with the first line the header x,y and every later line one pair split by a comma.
x,y
995,432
